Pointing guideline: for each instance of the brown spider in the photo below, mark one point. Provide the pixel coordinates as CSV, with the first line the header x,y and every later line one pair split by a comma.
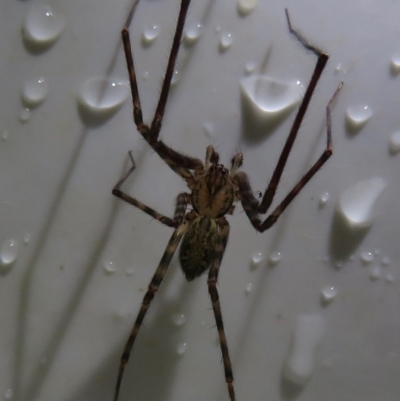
x,y
204,230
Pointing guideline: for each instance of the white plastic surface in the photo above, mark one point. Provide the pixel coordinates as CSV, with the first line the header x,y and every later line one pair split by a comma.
x,y
84,258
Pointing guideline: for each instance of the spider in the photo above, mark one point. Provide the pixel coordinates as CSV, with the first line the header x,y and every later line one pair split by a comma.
x,y
204,230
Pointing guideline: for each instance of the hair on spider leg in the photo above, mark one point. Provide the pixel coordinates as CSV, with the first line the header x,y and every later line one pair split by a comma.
x,y
199,223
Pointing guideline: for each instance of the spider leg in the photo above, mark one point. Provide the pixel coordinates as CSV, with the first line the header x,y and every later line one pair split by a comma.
x,y
152,289
182,201
251,204
212,289
319,67
177,161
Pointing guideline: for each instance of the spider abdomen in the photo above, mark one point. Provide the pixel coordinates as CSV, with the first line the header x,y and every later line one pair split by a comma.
x,y
197,248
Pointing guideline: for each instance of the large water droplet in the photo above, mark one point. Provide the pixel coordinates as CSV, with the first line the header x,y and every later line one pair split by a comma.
x,y
245,7
394,142
192,34
357,116
356,203
268,98
395,63
150,34
34,91
8,252
225,41
102,96
42,25
299,364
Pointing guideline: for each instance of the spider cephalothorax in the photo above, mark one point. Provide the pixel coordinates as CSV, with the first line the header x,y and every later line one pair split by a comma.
x,y
204,230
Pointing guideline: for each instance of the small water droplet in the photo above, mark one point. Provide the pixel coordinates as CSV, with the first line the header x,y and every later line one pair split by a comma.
x,y
8,252
256,259
4,135
385,261
181,348
130,271
145,75
178,319
274,258
356,203
245,7
42,25
101,95
323,199
394,142
375,273
339,67
367,257
249,288
389,278
25,115
150,34
34,91
339,264
27,238
357,116
395,63
109,267
225,41
269,99
328,293
192,34
250,67
8,394
175,77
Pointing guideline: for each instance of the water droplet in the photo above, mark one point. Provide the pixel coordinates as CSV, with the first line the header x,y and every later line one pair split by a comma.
x,y
8,252
181,348
395,63
394,142
324,199
150,34
357,116
245,7
250,67
274,258
34,91
145,75
256,259
208,129
192,34
375,273
179,319
328,293
42,25
225,41
367,257
27,238
8,394
356,203
389,278
299,364
175,77
25,115
101,95
130,271
385,261
4,135
249,287
109,267
339,67
268,98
